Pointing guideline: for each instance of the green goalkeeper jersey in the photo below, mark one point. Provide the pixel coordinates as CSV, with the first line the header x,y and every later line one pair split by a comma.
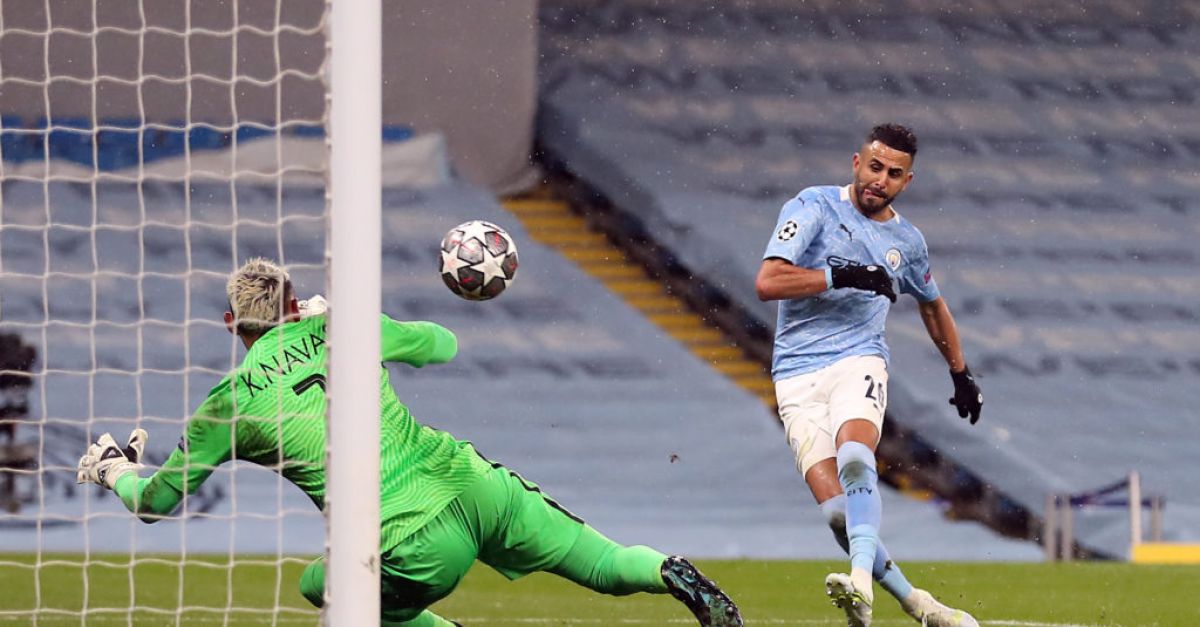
x,y
271,411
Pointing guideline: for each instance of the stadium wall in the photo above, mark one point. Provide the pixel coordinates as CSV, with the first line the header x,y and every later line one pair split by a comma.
x,y
467,70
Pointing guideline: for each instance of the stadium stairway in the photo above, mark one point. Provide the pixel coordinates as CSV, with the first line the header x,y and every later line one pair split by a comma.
x,y
550,220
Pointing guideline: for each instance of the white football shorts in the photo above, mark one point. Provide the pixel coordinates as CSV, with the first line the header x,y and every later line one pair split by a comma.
x,y
814,406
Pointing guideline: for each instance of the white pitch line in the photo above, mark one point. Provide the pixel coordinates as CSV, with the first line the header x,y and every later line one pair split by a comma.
x,y
477,620
115,620
1025,623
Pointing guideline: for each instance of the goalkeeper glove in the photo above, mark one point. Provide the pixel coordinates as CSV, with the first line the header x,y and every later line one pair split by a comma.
x,y
314,306
967,396
871,278
105,462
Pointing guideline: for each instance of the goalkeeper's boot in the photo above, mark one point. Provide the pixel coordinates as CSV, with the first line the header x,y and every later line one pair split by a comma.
x,y
932,613
706,601
843,595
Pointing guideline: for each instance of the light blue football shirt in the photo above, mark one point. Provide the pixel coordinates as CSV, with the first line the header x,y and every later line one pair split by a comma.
x,y
821,228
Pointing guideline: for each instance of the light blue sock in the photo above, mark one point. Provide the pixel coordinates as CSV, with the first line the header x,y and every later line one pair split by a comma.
x,y
864,510
888,574
834,511
885,571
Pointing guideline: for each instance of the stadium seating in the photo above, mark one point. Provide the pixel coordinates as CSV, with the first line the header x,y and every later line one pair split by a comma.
x,y
1055,185
557,378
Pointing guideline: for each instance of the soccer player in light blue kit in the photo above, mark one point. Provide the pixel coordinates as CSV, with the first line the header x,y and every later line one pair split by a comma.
x,y
834,262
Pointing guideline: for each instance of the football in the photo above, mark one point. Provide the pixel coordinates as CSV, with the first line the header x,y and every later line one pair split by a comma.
x,y
478,260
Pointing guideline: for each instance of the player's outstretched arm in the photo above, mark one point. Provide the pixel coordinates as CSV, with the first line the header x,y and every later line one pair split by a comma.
x,y
870,278
116,468
416,343
968,398
104,462
778,279
155,497
206,444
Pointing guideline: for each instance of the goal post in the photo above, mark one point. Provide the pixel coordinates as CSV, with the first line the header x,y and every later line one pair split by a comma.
x,y
352,589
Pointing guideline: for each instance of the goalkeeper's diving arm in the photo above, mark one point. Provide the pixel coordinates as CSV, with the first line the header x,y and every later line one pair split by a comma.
x,y
416,343
206,444
208,434
116,468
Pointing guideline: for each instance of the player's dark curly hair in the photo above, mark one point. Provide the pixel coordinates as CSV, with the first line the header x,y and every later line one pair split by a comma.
x,y
895,136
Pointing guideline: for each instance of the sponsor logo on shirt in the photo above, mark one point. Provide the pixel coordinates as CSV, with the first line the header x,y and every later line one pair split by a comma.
x,y
836,261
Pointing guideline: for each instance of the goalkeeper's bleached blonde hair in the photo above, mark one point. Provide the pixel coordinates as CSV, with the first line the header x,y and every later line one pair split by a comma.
x,y
258,293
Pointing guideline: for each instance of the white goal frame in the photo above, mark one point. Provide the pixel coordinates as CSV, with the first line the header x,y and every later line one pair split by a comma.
x,y
355,145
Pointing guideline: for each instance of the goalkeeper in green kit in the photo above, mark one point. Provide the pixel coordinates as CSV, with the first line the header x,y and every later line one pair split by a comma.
x,y
442,505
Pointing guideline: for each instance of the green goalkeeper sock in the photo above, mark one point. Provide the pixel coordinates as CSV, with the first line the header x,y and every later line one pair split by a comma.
x,y
598,563
312,582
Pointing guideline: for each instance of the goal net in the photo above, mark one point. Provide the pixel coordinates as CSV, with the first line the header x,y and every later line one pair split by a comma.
x,y
147,149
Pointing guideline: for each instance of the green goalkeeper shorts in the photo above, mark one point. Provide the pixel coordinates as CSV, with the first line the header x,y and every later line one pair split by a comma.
x,y
502,520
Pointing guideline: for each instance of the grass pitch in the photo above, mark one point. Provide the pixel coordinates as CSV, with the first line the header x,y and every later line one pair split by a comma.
x,y
258,591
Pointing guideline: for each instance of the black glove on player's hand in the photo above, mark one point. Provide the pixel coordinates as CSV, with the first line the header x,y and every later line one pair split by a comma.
x,y
872,278
967,396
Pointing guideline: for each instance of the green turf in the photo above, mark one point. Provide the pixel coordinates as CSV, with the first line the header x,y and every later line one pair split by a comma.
x,y
770,593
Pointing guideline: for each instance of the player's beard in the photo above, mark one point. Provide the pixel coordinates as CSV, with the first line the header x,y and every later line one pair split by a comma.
x,y
879,202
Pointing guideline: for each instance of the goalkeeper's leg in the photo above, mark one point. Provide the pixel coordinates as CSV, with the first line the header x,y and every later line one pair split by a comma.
x,y
312,582
598,563
602,565
522,531
534,533
413,575
424,619
312,586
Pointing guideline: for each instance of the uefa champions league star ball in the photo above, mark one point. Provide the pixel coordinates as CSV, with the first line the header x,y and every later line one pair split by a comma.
x,y
478,260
